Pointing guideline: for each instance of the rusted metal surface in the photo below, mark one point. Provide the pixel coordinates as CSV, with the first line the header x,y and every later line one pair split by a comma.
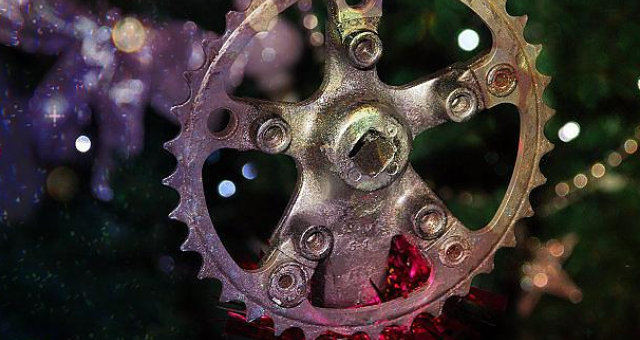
x,y
356,189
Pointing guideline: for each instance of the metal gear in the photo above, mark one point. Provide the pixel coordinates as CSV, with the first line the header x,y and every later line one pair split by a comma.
x,y
356,191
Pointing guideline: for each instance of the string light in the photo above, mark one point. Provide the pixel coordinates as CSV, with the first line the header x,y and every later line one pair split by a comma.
x,y
580,181
631,146
311,22
598,170
569,189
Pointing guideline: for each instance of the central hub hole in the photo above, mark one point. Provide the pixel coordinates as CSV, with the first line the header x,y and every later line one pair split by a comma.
x,y
373,153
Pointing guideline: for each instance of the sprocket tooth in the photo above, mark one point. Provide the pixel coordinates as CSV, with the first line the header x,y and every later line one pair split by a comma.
x,y
191,244
179,214
312,333
254,312
547,146
374,333
539,180
523,20
173,146
527,209
436,308
234,20
510,240
182,111
229,294
279,325
407,320
173,180
487,266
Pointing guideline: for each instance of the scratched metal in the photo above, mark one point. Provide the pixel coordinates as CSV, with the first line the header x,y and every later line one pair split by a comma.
x,y
351,143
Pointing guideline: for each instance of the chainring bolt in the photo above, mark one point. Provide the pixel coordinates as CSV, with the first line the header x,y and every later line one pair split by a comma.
x,y
273,136
288,285
365,49
316,243
455,251
462,104
502,80
430,222
354,175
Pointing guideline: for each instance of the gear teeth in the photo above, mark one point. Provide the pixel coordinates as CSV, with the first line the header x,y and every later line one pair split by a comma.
x,y
374,334
254,312
190,244
523,20
436,308
179,214
510,240
279,326
312,333
527,209
185,211
540,180
228,294
488,265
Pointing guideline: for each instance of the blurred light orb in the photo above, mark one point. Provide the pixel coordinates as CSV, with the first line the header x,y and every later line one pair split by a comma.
x,y
83,144
62,184
317,39
310,21
469,40
563,189
249,171
581,181
614,159
569,132
226,189
631,146
541,280
598,170
129,35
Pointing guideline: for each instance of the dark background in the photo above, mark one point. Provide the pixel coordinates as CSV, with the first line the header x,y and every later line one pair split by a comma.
x,y
86,269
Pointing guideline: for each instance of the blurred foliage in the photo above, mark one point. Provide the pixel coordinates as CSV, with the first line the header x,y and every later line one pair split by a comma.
x,y
90,270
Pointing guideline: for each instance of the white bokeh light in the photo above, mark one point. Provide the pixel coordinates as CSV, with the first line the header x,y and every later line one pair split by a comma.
x,y
249,171
83,144
569,132
226,189
469,40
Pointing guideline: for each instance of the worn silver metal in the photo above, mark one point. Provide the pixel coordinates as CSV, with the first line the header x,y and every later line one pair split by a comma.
x,y
288,285
462,104
430,222
502,80
364,48
351,142
316,243
273,136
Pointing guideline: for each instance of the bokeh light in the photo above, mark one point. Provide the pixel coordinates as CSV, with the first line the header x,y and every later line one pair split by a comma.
x,y
562,189
580,181
598,170
83,144
569,132
631,146
226,189
129,35
469,40
249,171
62,184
